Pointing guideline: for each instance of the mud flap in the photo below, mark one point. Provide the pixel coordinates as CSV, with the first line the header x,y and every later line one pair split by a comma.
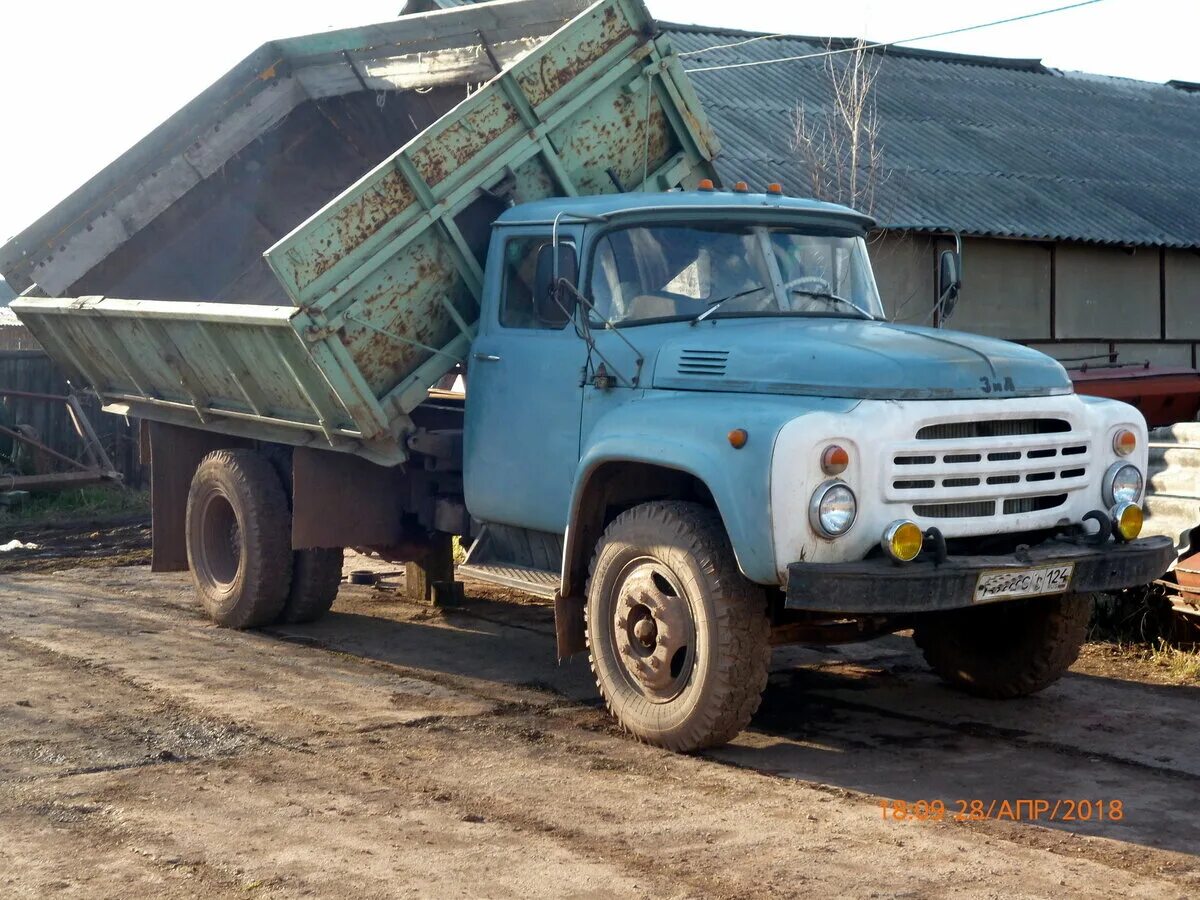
x,y
569,628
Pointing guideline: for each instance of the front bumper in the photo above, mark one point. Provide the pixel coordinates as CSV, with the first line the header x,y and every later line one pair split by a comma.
x,y
880,586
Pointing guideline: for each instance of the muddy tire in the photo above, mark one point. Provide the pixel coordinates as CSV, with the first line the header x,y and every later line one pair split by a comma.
x,y
316,572
316,575
678,639
238,539
1007,649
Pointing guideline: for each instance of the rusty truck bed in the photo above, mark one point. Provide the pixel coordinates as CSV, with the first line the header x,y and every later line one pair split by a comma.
x,y
368,301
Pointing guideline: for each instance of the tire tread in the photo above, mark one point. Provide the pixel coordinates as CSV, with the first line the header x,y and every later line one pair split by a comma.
x,y
743,656
265,530
958,648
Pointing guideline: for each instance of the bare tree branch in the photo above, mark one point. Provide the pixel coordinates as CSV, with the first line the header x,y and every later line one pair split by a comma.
x,y
840,144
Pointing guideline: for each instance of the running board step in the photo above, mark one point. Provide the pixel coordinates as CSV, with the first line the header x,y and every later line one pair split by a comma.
x,y
538,582
515,557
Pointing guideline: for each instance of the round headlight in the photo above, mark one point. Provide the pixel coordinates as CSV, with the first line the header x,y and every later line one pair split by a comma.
x,y
1122,484
832,509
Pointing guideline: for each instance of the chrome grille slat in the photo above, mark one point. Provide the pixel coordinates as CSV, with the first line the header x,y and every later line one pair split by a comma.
x,y
991,428
983,468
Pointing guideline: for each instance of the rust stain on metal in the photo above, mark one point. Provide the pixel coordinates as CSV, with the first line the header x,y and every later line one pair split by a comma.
x,y
356,222
463,140
403,303
624,139
552,74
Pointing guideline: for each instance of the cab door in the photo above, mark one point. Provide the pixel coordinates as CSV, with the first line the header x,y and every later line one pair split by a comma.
x,y
521,445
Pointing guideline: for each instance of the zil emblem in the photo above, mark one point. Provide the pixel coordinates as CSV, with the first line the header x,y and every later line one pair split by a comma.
x,y
998,387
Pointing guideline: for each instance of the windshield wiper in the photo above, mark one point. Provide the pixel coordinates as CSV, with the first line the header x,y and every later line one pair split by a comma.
x,y
712,307
825,295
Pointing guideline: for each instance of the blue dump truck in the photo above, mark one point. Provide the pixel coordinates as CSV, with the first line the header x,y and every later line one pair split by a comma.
x,y
686,420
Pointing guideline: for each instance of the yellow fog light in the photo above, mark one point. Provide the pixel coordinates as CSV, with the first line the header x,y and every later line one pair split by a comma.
x,y
1127,521
902,540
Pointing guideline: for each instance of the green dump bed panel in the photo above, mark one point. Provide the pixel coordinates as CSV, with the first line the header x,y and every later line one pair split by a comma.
x,y
387,278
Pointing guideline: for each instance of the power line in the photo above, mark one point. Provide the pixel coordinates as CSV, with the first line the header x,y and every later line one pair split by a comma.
x,y
857,48
761,37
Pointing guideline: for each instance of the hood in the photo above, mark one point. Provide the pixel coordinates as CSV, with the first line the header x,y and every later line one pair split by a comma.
x,y
851,358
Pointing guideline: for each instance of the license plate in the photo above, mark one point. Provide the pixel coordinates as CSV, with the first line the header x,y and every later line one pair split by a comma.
x,y
1006,583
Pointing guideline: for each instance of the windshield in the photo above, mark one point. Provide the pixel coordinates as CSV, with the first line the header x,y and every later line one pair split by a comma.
x,y
677,271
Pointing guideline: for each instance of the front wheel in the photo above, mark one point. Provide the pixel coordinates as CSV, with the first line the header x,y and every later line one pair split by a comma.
x,y
678,639
1008,649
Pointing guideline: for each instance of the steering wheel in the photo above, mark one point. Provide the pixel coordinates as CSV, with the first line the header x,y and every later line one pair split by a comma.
x,y
809,283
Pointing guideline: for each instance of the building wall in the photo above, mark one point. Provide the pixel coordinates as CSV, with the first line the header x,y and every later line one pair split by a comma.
x,y
904,271
1073,301
1181,279
1006,289
1106,292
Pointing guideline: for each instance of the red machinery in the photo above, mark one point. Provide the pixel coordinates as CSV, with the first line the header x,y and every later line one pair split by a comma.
x,y
1163,394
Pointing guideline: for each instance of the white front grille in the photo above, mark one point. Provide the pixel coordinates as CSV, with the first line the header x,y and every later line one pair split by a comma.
x,y
983,468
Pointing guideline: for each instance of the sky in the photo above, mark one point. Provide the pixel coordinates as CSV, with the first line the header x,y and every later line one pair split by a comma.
x,y
80,82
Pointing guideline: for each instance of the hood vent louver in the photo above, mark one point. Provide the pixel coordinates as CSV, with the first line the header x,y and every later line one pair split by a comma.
x,y
705,363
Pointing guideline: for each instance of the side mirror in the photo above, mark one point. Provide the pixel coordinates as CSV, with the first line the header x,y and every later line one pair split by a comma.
x,y
949,281
554,306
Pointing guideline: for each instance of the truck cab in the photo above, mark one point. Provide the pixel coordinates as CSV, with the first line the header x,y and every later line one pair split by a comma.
x,y
691,409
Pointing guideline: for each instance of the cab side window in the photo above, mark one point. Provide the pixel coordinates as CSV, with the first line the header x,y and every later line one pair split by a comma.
x,y
520,307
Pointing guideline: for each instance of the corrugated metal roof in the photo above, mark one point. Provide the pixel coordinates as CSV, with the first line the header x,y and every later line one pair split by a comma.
x,y
986,146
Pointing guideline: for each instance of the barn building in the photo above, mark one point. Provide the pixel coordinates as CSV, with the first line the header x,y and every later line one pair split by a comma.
x,y
1076,195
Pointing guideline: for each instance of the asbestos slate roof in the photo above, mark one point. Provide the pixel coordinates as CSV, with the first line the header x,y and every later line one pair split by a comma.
x,y
993,147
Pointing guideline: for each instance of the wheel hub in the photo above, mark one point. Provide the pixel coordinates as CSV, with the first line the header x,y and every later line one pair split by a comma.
x,y
221,540
654,632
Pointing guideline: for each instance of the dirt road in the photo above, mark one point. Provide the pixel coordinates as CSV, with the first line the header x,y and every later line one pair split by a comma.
x,y
394,750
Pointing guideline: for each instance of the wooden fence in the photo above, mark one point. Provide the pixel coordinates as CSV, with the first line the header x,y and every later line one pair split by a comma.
x,y
33,371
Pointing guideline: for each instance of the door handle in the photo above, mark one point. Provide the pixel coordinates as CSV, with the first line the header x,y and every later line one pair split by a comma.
x,y
486,357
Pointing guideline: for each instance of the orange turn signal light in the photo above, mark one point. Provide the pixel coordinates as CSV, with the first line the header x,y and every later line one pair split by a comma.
x,y
1124,442
706,184
738,438
834,460
774,188
741,187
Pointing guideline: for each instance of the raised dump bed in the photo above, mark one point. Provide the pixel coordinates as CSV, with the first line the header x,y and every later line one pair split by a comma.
x,y
367,303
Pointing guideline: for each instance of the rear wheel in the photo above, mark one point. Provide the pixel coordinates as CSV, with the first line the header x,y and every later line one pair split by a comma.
x,y
1007,649
678,639
238,539
316,576
316,572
